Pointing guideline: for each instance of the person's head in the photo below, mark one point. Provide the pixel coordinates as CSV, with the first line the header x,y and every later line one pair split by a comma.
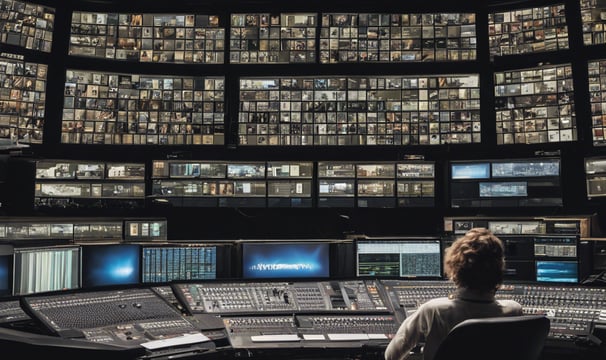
x,y
476,260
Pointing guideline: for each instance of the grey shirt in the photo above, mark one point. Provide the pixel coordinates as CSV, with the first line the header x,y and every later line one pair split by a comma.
x,y
434,319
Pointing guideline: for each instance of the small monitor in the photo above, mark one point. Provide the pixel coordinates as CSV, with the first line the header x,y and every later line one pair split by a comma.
x,y
410,258
168,263
46,269
557,271
470,171
104,265
285,260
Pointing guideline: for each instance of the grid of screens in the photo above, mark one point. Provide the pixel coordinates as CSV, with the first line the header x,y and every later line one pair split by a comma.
x,y
595,177
112,108
506,183
285,260
27,25
198,183
353,37
273,38
160,38
593,16
597,91
410,258
163,264
360,110
22,99
46,269
62,179
405,184
535,105
104,265
528,30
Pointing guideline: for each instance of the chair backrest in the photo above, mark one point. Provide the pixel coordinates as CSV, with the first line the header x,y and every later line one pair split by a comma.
x,y
496,338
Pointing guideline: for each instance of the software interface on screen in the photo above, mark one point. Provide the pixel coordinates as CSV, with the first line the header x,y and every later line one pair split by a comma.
x,y
110,265
283,260
400,258
163,264
46,269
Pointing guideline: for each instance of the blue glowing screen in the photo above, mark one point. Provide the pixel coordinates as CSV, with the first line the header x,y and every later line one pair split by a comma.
x,y
110,265
285,260
470,171
557,271
5,275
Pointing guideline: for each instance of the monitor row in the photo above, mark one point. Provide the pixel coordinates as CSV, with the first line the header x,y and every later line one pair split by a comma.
x,y
300,37
26,269
523,182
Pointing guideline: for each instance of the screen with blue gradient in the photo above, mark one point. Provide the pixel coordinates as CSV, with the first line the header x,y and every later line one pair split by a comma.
x,y
110,265
5,275
557,271
470,171
281,260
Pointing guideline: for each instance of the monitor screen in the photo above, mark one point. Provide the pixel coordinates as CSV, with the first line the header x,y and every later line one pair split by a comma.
x,y
110,265
555,246
5,275
470,171
163,264
285,260
46,269
557,271
503,189
399,258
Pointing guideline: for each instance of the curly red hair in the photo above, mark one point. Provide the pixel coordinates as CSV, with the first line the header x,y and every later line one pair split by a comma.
x,y
476,260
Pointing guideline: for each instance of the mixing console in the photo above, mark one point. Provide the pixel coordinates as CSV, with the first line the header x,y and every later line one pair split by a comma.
x,y
10,311
572,309
231,298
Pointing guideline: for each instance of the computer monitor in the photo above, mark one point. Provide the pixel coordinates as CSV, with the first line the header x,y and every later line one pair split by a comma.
x,y
104,265
46,269
397,257
168,263
285,260
557,271
6,262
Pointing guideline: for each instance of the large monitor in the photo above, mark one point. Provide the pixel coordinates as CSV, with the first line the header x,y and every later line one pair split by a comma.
x,y
506,183
104,265
285,260
46,269
399,257
187,262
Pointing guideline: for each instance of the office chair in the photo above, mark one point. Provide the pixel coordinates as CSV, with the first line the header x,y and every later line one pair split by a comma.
x,y
496,338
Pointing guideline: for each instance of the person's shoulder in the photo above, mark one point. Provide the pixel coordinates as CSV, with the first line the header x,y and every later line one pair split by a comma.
x,y
438,303
510,304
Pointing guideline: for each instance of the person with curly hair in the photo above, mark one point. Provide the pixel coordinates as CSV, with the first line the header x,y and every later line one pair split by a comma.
x,y
474,263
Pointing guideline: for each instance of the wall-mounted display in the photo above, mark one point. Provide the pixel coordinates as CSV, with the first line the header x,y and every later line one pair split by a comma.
x,y
159,38
111,108
506,183
593,17
22,99
360,110
595,177
262,38
361,37
209,184
528,30
535,105
27,25
379,184
597,92
66,183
